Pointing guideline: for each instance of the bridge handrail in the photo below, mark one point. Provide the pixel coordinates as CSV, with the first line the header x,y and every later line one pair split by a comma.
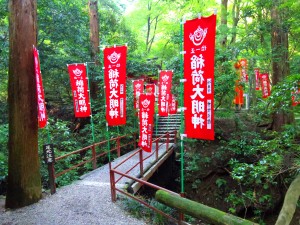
x,y
114,171
144,159
94,157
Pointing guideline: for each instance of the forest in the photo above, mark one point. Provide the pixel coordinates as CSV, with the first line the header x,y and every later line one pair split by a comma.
x,y
255,157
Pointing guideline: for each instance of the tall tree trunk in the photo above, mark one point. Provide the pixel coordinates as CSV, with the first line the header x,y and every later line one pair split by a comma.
x,y
280,64
224,8
236,8
24,180
94,40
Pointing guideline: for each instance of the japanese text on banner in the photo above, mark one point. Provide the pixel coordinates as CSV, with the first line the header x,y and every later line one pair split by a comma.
x,y
146,121
79,87
115,84
138,89
164,95
199,48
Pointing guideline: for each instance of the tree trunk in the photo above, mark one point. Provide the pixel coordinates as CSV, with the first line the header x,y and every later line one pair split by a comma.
x,y
198,210
280,64
235,18
224,7
24,180
94,40
290,203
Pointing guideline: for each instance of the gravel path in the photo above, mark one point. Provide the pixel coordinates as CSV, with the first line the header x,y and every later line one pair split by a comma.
x,y
87,201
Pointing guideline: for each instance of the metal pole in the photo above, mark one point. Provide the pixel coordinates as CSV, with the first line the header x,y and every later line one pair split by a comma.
x,y
181,115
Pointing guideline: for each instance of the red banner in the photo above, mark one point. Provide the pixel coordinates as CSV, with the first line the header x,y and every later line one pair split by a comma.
x,y
79,85
164,94
296,98
146,121
257,75
199,48
115,84
265,85
42,112
173,105
150,88
243,70
138,89
239,94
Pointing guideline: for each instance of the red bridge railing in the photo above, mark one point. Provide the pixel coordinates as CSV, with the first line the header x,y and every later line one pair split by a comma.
x,y
114,171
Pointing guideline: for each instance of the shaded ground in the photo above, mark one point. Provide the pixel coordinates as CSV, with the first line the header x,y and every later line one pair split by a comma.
x,y
87,201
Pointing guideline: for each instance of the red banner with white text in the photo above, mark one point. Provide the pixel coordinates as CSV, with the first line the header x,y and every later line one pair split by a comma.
x,y
146,118
79,85
173,105
265,85
257,80
115,84
199,49
164,92
42,112
138,89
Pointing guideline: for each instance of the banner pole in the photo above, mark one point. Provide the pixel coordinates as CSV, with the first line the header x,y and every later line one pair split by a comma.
x,y
108,142
92,122
181,111
156,113
107,131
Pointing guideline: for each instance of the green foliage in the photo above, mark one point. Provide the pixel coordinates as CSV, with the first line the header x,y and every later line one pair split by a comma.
x,y
279,101
257,162
3,151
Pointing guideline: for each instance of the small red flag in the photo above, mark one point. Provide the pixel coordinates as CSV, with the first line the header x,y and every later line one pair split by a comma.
x,y
239,94
257,75
138,89
265,85
243,70
296,98
164,94
146,118
79,85
42,112
150,88
173,105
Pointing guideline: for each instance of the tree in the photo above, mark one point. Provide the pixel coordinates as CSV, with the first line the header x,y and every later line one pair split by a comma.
x,y
94,39
280,60
24,180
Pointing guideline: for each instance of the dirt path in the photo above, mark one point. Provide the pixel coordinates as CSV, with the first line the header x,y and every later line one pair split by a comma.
x,y
87,201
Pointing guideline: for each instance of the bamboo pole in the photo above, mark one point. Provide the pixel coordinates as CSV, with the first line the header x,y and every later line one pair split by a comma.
x,y
199,211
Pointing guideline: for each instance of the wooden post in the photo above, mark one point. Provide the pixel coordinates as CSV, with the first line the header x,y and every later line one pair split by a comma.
x,y
51,178
112,184
94,157
118,147
156,149
141,163
168,140
134,138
